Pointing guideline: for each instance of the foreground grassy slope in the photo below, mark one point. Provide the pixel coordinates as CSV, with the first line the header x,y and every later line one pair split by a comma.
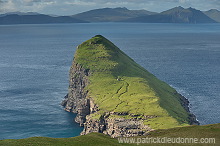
x,y
120,85
93,139
98,139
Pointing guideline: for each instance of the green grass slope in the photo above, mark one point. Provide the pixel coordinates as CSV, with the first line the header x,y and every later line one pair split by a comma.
x,y
120,85
92,139
98,139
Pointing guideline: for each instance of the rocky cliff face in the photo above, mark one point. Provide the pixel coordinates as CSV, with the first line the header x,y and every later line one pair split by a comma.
x,y
77,101
185,103
117,127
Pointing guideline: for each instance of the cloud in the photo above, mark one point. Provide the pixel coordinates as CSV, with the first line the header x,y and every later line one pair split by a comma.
x,y
183,1
80,3
69,7
38,2
3,1
24,5
7,6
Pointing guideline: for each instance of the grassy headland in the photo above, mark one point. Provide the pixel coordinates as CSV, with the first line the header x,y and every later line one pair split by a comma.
x,y
120,85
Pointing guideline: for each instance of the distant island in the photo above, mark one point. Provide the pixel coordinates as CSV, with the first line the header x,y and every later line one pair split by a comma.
x,y
112,94
174,15
35,18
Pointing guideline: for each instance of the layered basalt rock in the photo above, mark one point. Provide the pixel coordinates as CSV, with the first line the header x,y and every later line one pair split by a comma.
x,y
117,127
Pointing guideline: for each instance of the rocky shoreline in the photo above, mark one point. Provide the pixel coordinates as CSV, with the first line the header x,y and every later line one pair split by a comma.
x,y
77,101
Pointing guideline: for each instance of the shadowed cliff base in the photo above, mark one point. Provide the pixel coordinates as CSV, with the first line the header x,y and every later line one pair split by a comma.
x,y
112,94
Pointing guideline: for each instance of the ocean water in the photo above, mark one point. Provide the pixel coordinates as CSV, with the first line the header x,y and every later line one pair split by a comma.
x,y
35,60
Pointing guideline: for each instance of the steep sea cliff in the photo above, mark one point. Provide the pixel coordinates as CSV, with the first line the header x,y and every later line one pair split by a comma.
x,y
112,94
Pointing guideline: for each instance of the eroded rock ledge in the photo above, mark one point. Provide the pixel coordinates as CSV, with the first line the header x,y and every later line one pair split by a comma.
x,y
77,101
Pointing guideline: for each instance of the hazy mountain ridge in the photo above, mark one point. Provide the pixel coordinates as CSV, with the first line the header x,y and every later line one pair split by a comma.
x,y
36,19
174,15
111,14
20,13
214,14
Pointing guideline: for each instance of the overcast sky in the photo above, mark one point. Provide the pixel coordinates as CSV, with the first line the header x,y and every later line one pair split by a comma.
x,y
70,7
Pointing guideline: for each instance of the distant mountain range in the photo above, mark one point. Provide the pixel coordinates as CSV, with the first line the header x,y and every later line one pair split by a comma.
x,y
19,13
174,15
111,14
35,18
214,14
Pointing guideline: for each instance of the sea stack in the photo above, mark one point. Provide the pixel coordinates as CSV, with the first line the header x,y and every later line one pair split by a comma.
x,y
114,95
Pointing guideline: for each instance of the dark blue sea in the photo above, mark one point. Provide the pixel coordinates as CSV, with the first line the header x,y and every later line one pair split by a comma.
x,y
35,60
